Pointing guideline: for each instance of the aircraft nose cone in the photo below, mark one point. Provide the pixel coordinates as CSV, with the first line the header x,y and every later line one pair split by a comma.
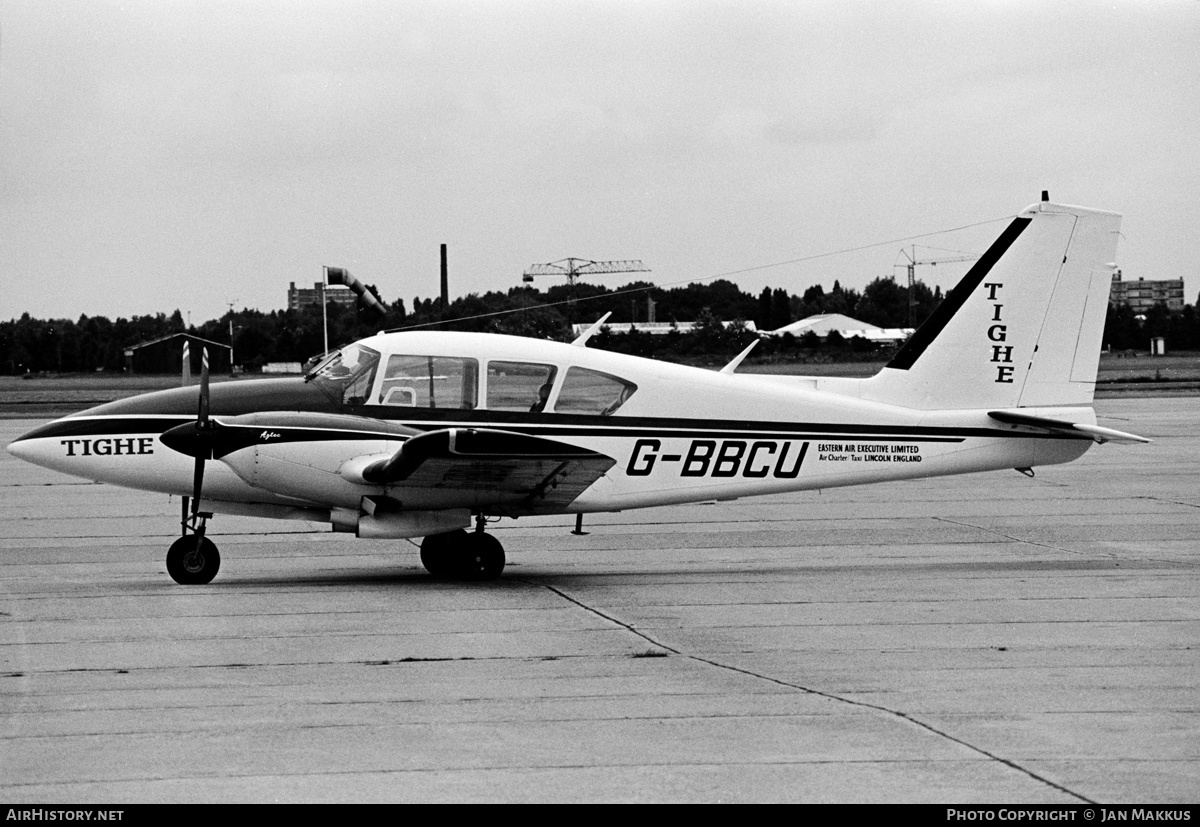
x,y
41,446
22,448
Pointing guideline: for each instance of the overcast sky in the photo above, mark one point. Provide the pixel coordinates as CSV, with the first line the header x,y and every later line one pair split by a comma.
x,y
159,155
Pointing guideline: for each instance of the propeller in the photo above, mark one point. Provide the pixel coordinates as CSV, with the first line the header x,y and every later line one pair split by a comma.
x,y
204,434
193,558
196,439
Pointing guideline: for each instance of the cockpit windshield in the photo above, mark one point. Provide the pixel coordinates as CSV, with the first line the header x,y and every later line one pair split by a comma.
x,y
348,374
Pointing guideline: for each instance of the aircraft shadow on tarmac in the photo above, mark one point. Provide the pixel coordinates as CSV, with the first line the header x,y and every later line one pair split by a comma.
x,y
521,576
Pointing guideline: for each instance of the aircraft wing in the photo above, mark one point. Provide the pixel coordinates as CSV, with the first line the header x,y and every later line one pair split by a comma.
x,y
1059,426
495,466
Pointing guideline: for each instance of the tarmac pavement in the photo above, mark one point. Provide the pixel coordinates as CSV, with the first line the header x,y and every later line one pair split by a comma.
x,y
986,638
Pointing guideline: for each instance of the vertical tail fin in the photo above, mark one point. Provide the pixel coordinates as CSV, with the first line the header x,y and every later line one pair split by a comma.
x,y
1024,326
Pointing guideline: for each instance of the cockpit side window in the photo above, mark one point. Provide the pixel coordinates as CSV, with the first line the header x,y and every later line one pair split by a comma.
x,y
429,382
348,374
519,386
586,391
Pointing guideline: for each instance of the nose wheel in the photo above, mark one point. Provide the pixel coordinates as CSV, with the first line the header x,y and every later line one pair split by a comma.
x,y
462,555
193,560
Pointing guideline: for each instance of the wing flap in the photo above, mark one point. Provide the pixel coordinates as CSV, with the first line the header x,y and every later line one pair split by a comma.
x,y
499,467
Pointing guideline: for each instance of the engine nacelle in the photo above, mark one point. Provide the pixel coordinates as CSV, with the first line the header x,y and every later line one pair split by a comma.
x,y
398,525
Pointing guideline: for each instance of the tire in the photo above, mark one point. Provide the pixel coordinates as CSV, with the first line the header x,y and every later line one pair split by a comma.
x,y
192,562
481,557
438,552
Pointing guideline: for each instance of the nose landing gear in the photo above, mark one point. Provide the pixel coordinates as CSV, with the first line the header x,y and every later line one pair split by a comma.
x,y
193,559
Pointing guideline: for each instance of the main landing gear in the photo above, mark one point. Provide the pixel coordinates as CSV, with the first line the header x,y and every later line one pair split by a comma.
x,y
463,555
193,560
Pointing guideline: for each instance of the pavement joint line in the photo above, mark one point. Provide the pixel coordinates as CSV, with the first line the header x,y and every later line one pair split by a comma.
x,y
1165,500
1111,555
386,662
1022,540
209,729
903,716
471,769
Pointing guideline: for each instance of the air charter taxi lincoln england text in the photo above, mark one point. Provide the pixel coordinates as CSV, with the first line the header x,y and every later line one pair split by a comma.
x,y
428,434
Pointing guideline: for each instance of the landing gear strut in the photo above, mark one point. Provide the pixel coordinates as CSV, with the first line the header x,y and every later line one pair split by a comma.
x,y
193,559
463,555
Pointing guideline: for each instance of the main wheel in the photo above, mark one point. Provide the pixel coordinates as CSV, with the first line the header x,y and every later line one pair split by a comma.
x,y
193,562
438,552
481,557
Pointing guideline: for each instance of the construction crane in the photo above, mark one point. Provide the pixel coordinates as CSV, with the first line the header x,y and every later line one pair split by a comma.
x,y
913,261
573,268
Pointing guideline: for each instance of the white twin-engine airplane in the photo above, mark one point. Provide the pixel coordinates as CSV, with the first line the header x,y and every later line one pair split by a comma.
x,y
422,434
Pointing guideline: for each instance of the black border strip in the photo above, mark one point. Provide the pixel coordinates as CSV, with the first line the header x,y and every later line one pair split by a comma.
x,y
957,297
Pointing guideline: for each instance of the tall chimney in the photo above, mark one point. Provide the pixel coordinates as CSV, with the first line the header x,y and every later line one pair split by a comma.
x,y
445,281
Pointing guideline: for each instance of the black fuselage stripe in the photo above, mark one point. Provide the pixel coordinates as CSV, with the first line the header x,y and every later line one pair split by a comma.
x,y
956,298
660,429
105,427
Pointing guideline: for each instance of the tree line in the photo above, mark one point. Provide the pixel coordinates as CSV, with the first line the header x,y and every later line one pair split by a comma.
x,y
92,343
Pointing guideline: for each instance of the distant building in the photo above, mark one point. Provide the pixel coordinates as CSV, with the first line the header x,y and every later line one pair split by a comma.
x,y
656,328
165,354
846,327
282,367
299,297
1141,295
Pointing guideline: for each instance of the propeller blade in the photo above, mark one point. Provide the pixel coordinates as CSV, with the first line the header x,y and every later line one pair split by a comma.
x,y
202,414
204,434
197,482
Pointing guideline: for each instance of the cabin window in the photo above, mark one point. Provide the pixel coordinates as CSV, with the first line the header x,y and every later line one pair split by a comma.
x,y
429,382
519,386
586,391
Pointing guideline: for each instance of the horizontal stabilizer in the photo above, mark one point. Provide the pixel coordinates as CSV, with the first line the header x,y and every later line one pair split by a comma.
x,y
1058,426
